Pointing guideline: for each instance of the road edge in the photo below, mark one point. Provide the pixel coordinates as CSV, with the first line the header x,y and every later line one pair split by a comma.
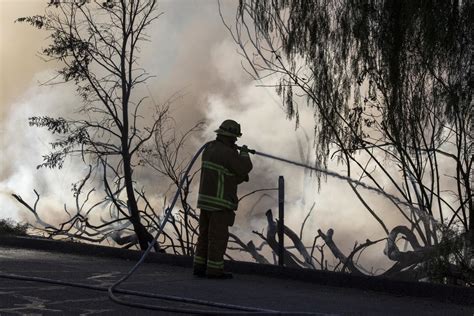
x,y
438,292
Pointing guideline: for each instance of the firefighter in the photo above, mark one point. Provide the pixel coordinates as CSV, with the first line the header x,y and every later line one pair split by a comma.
x,y
223,168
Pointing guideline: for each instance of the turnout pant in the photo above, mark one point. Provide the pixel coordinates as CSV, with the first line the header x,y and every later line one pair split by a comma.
x,y
212,241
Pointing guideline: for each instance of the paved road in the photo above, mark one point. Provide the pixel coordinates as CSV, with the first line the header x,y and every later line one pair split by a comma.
x,y
32,298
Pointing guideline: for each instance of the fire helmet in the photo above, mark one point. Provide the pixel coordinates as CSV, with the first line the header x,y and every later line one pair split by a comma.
x,y
229,128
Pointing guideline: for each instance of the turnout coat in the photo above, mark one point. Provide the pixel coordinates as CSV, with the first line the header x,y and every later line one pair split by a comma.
x,y
223,168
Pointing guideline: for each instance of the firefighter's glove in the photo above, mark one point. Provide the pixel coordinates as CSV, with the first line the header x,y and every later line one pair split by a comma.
x,y
245,149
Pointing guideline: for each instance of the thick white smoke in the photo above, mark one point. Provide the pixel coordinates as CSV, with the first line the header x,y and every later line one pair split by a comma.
x,y
22,150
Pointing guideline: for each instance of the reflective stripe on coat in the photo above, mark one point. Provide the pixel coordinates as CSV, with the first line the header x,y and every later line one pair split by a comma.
x,y
223,168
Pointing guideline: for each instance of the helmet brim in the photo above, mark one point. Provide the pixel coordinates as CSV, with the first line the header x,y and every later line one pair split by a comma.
x,y
226,133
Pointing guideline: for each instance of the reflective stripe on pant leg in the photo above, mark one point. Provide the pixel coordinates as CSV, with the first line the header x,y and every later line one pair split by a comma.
x,y
215,264
199,260
216,268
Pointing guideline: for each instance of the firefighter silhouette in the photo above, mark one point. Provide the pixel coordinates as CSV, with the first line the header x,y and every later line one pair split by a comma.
x,y
223,169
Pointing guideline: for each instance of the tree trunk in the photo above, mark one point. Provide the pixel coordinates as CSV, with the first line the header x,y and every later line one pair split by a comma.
x,y
143,236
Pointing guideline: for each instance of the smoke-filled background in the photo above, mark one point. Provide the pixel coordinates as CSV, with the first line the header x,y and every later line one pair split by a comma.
x,y
192,53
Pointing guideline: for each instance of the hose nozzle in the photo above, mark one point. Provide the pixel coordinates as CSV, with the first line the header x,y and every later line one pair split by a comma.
x,y
246,149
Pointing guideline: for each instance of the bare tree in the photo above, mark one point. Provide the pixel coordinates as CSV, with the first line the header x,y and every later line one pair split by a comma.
x,y
167,156
98,45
